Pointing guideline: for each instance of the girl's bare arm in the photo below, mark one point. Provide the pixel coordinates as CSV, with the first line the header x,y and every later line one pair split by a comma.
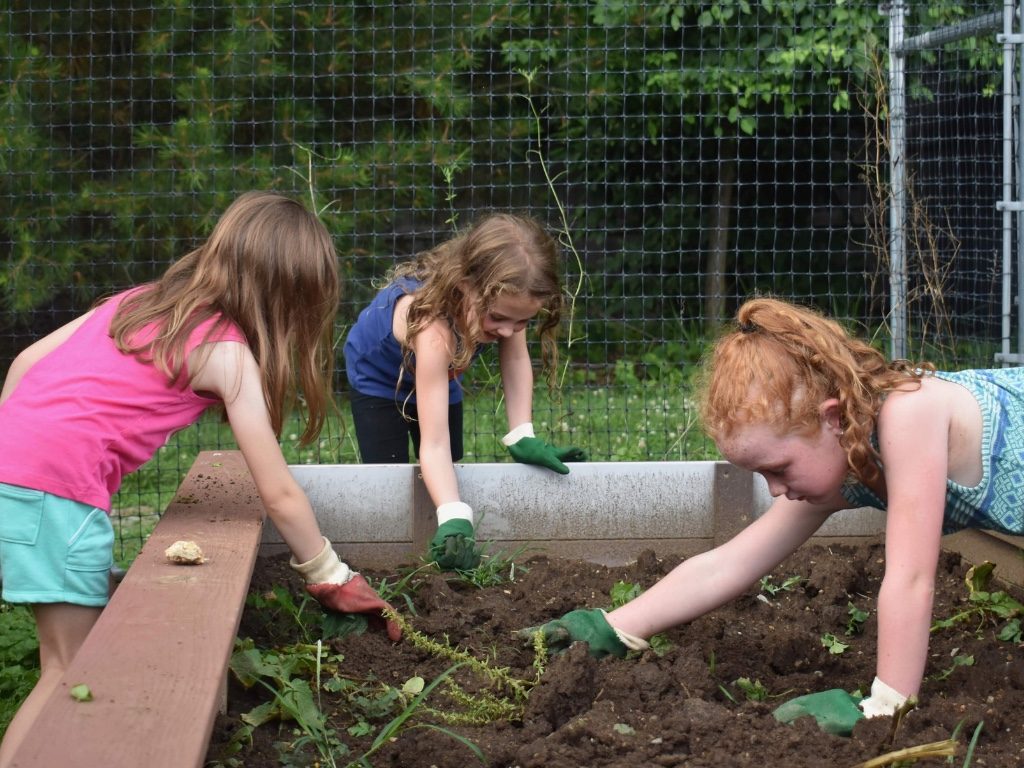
x,y
231,373
913,440
433,349
704,582
516,378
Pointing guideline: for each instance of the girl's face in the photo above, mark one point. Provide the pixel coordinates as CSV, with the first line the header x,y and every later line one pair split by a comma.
x,y
507,315
798,466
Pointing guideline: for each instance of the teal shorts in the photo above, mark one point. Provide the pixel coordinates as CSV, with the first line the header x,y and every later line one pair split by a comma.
x,y
53,550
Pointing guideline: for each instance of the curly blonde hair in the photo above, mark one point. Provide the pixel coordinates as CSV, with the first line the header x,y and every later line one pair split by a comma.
x,y
781,361
270,267
501,254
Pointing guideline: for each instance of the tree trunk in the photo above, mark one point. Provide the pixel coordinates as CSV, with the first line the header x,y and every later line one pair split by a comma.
x,y
718,245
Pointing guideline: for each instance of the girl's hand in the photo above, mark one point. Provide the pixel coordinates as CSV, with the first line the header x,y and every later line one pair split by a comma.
x,y
527,449
453,547
338,588
834,710
588,626
883,701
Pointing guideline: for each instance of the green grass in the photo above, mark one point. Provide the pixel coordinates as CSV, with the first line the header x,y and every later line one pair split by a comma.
x,y
19,659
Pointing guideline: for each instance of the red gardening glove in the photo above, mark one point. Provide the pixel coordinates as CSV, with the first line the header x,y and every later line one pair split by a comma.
x,y
338,588
356,596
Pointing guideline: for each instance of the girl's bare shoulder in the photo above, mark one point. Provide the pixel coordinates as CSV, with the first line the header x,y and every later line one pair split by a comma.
x,y
937,403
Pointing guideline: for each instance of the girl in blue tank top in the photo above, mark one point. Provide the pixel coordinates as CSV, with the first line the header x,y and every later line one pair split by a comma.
x,y
405,355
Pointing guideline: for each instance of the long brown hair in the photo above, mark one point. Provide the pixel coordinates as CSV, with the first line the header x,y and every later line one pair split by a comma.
x,y
501,254
270,267
781,361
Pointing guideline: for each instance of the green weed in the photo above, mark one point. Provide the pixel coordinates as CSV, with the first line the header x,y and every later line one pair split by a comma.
x,y
496,568
855,620
403,588
754,690
512,692
960,660
623,592
402,720
987,608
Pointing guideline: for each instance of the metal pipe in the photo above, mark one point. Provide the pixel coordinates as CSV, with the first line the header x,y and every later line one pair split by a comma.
x,y
1009,13
989,22
897,204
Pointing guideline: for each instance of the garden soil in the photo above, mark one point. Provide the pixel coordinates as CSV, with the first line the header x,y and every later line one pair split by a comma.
x,y
681,708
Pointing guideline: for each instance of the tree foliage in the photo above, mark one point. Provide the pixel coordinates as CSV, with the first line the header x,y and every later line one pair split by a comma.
x,y
129,126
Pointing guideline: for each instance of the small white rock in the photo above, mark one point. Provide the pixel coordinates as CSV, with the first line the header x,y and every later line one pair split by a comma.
x,y
185,553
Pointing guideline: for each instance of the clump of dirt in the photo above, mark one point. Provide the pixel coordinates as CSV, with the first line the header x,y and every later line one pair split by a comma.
x,y
683,707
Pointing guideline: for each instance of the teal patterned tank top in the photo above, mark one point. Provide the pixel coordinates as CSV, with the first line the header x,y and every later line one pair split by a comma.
x,y
997,502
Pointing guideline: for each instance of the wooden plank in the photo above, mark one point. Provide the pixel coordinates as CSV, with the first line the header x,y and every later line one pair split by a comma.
x,y
157,658
977,546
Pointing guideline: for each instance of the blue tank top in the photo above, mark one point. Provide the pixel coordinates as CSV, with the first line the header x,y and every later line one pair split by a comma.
x,y
997,502
373,356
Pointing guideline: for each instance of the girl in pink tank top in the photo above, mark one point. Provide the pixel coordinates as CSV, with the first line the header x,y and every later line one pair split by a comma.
x,y
243,323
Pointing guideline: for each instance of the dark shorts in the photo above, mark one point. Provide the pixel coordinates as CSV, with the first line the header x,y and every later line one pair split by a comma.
x,y
383,431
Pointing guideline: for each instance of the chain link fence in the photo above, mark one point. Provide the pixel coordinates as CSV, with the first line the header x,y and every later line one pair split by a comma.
x,y
689,154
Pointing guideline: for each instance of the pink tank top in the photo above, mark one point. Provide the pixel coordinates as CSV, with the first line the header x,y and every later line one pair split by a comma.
x,y
86,415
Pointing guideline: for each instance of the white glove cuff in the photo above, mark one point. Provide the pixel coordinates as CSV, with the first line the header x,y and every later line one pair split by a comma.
x,y
325,568
454,510
632,642
523,430
884,700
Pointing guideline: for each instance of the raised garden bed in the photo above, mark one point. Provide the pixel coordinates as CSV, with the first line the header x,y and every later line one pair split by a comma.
x,y
691,706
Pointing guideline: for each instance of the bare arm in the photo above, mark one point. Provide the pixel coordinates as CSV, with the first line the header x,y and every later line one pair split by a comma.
x,y
516,378
36,351
913,439
710,579
432,347
231,373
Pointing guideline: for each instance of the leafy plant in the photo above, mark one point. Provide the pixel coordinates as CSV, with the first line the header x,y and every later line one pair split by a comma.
x,y
855,622
401,720
623,592
286,673
768,586
987,607
960,660
403,588
754,690
835,647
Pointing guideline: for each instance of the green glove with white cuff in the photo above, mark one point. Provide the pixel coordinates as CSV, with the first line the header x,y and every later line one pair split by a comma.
x,y
453,546
837,711
526,448
588,626
883,701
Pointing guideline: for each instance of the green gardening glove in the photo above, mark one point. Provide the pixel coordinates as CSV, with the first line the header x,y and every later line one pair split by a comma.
x,y
835,710
583,625
453,547
528,449
533,450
